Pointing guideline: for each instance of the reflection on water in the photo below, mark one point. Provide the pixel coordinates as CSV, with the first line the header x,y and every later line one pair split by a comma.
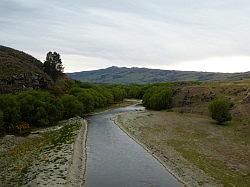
x,y
114,159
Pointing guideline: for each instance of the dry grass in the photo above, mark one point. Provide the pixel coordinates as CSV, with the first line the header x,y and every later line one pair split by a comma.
x,y
222,152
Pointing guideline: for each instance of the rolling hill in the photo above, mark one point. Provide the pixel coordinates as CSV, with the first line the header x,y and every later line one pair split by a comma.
x,y
20,71
123,75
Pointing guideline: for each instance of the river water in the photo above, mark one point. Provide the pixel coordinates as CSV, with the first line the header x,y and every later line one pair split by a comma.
x,y
116,160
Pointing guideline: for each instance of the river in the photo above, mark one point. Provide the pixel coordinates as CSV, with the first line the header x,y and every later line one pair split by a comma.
x,y
116,160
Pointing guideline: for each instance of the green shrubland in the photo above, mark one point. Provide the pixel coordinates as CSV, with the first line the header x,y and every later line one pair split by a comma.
x,y
158,98
41,108
220,110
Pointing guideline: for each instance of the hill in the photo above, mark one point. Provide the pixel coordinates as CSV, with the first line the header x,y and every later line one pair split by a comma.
x,y
125,75
19,71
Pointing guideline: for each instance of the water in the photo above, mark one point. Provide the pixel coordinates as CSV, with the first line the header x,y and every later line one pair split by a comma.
x,y
115,160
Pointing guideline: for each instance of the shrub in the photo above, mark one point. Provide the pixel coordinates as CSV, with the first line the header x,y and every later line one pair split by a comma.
x,y
87,100
40,108
118,93
72,107
220,110
22,128
158,98
135,91
1,119
11,110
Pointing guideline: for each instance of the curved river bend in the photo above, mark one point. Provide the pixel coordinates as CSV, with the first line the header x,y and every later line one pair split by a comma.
x,y
116,160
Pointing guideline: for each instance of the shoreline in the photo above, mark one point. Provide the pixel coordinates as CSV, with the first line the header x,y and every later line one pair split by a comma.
x,y
77,165
152,153
184,171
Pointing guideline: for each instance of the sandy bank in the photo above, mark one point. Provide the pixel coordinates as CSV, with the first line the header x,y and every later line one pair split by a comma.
x,y
77,165
191,147
50,157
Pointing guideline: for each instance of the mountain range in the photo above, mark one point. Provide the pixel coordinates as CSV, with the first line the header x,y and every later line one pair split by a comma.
x,y
124,75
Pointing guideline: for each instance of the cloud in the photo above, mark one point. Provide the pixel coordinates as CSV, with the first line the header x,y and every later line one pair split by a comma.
x,y
140,33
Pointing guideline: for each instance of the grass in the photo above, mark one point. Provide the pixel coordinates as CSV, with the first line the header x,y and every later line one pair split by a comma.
x,y
214,168
221,151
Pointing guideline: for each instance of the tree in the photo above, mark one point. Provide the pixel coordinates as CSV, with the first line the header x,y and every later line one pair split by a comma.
x,y
11,110
1,119
158,98
53,65
87,100
72,107
220,110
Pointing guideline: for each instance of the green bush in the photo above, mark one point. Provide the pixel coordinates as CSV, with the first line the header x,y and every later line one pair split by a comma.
x,y
87,100
40,108
72,107
220,110
11,111
135,91
158,98
118,93
1,119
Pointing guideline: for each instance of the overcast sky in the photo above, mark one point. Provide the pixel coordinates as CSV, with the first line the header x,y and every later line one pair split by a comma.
x,y
202,35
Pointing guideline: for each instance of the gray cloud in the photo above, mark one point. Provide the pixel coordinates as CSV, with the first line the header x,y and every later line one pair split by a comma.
x,y
127,32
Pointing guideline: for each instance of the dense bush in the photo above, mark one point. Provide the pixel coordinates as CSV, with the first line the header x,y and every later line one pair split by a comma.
x,y
72,107
118,93
11,111
1,119
220,110
20,111
158,98
40,108
87,100
135,91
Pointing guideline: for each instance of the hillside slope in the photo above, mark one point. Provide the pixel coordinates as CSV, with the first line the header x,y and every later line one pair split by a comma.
x,y
19,71
143,75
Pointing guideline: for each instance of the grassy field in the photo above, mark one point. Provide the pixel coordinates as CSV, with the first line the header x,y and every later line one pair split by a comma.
x,y
194,147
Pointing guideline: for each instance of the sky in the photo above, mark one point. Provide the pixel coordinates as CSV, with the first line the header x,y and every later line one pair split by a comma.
x,y
198,35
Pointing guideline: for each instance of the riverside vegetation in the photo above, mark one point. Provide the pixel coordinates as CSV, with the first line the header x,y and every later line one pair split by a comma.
x,y
47,96
185,138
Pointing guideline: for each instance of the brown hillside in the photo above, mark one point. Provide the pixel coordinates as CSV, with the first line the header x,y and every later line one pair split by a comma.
x,y
20,71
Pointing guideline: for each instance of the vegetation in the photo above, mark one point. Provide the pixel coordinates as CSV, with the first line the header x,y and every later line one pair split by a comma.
x,y
38,108
72,107
11,111
53,65
1,119
220,110
20,71
158,98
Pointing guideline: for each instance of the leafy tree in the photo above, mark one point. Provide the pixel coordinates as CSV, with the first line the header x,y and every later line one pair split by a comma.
x,y
1,119
158,98
40,108
53,65
72,107
220,110
87,100
135,91
119,93
11,110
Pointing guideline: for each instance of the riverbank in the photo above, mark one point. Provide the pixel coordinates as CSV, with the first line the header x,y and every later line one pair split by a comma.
x,y
192,147
53,156
48,157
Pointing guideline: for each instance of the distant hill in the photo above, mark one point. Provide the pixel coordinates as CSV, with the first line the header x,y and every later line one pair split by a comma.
x,y
125,75
20,71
